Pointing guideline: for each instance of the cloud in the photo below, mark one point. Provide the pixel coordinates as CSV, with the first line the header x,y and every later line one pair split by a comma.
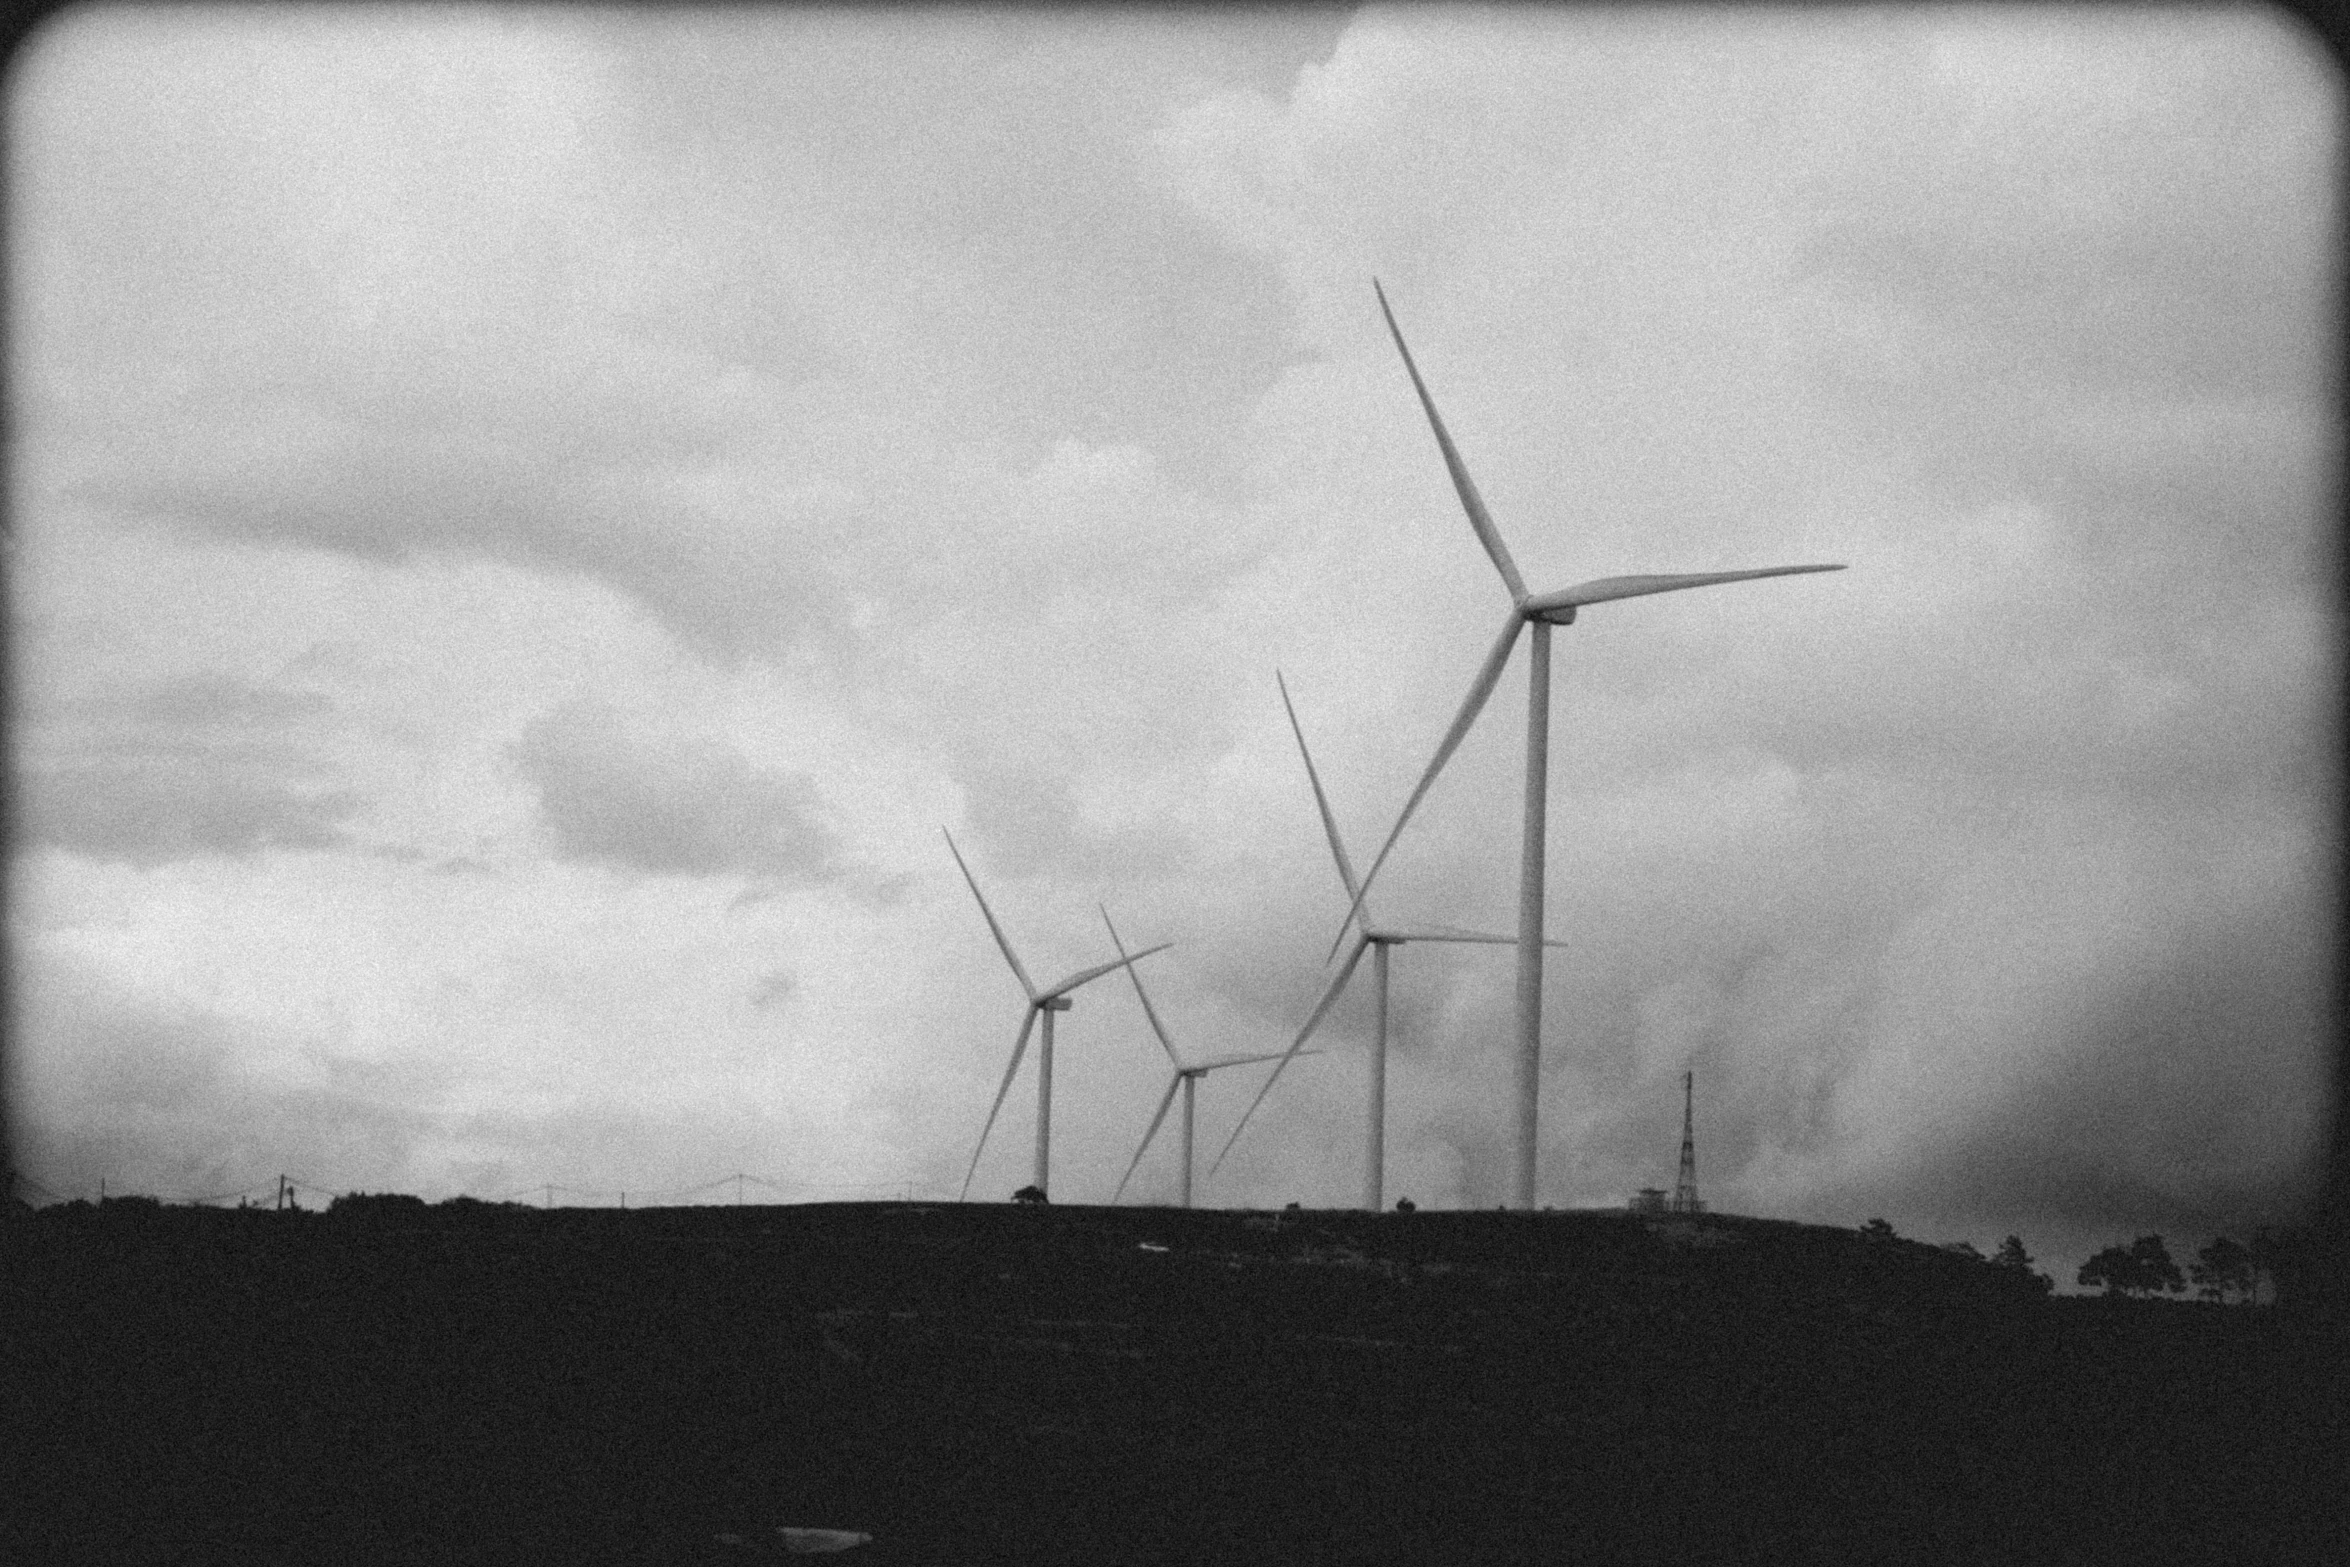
x,y
660,355
207,805
674,808
2177,1076
157,1095
682,540
325,367
198,765
154,1095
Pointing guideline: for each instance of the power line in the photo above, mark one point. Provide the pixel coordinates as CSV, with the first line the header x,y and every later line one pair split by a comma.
x,y
211,1197
283,1188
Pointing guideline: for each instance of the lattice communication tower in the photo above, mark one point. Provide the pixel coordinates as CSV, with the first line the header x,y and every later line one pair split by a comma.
x,y
1685,1199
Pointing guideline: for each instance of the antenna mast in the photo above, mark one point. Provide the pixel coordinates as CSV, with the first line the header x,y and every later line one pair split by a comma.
x,y
1685,1188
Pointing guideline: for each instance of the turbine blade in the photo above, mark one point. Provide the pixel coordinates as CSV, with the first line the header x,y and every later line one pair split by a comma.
x,y
1019,1046
1148,1010
1495,550
1088,976
1346,870
1444,933
1455,933
1329,997
1601,589
1487,678
1019,972
1173,1083
1222,1062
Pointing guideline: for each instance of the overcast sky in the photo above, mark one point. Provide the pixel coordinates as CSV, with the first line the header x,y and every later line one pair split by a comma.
x,y
529,522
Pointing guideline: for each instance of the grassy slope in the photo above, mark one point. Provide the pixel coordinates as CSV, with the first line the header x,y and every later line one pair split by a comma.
x,y
989,1384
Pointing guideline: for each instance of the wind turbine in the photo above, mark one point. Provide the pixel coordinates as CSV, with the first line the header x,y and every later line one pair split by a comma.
x,y
1186,1076
1541,611
1041,1003
1377,939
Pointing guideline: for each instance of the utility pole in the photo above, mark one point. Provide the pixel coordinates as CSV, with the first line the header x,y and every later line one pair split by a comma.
x,y
1685,1188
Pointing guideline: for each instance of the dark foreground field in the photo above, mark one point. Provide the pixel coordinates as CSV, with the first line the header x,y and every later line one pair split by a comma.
x,y
1084,1385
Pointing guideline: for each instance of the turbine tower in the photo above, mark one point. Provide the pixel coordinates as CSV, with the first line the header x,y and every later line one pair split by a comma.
x,y
1186,1076
1685,1187
1541,611
1376,939
1041,1003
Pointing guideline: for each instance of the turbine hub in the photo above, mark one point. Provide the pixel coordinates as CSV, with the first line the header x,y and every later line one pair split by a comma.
x,y
1564,615
1055,1004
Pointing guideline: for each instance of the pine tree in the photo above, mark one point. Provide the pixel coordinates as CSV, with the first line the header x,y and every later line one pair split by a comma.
x,y
2011,1254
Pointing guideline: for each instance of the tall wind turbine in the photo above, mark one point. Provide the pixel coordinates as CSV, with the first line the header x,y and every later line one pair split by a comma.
x,y
1041,1003
1540,611
1375,938
1187,1076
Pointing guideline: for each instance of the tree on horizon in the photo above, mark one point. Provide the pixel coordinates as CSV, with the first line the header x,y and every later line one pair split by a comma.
x,y
2011,1254
2143,1267
2224,1269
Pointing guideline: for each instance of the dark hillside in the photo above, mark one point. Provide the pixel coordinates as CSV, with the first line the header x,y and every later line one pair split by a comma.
x,y
398,1383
